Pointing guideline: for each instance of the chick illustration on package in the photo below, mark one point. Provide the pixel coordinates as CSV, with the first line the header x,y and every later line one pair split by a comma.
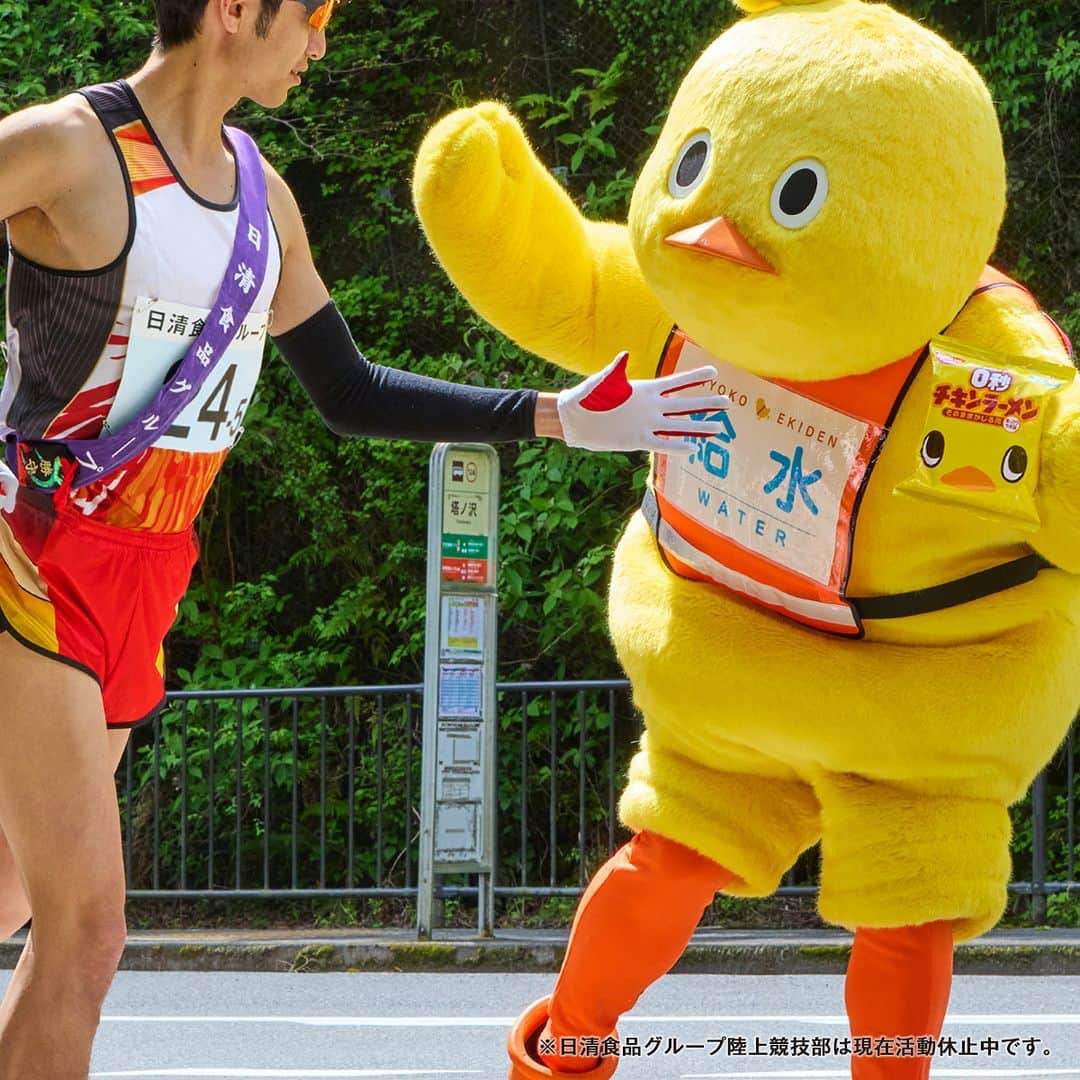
x,y
887,518
984,429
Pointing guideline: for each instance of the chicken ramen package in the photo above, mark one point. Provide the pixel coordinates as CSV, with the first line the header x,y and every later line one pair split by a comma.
x,y
980,444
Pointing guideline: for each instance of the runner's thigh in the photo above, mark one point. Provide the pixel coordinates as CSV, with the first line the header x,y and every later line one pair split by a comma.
x,y
58,806
12,887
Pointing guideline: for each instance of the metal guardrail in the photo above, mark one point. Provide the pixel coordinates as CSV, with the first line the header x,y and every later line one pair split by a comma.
x,y
294,793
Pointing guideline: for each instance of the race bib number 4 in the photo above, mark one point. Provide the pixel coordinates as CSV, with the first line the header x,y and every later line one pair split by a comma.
x,y
780,480
161,334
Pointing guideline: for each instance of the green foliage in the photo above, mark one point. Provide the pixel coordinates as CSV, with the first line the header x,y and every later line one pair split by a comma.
x,y
53,46
586,134
1061,859
277,777
1029,55
1063,909
661,41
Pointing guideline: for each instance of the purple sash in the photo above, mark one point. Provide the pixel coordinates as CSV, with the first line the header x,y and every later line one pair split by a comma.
x,y
95,459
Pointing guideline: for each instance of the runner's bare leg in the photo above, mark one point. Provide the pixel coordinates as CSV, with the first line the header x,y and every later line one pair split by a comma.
x,y
15,907
59,813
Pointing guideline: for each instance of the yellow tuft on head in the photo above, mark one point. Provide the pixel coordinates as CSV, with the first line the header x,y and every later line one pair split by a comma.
x,y
751,6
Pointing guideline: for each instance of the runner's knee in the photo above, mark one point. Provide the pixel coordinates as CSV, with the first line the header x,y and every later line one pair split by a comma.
x,y
87,937
101,943
102,927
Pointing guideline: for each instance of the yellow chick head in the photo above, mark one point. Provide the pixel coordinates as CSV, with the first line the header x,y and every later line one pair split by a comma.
x,y
825,192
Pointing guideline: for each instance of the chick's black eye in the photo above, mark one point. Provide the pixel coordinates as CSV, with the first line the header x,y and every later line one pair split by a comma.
x,y
1014,464
690,165
933,449
799,193
693,161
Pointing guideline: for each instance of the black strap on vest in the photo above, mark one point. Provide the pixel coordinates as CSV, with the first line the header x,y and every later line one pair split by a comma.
x,y
919,601
962,591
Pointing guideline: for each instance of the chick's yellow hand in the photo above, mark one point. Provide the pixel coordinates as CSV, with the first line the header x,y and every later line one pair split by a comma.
x,y
522,254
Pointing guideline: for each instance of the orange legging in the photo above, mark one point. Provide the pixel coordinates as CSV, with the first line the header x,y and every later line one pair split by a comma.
x,y
639,913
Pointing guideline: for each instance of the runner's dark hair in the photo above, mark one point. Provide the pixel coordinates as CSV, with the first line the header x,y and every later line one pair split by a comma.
x,y
178,21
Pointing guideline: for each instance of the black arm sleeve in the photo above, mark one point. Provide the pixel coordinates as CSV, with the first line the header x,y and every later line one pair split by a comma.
x,y
356,397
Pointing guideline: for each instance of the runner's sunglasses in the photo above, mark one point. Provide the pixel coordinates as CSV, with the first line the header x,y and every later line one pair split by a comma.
x,y
319,11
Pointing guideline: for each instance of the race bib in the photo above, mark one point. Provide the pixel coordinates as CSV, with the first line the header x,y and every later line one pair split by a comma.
x,y
781,478
161,333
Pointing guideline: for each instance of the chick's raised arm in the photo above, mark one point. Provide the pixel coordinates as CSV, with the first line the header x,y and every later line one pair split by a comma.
x,y
523,255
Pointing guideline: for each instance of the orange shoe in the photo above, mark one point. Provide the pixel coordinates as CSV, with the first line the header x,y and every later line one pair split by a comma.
x,y
521,1045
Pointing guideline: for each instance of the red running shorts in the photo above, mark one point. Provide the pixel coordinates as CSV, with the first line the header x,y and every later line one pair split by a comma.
x,y
94,596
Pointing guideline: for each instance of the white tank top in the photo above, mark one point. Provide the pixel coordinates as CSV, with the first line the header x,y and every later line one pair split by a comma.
x,y
86,348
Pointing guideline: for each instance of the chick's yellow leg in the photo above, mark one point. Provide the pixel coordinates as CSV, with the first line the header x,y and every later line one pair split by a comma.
x,y
743,810
900,854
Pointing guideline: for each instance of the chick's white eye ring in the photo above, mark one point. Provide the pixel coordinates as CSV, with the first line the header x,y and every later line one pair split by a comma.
x,y
799,194
691,165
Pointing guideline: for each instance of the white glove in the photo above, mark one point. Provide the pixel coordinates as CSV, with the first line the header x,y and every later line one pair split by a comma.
x,y
9,488
609,412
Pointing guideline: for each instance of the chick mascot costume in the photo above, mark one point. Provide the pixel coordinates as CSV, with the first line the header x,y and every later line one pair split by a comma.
x,y
821,203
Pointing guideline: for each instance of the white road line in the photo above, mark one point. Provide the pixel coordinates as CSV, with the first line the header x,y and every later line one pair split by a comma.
x,y
1014,1019
845,1074
324,1021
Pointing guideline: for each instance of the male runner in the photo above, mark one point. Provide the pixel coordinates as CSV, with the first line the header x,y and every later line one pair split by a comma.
x,y
121,208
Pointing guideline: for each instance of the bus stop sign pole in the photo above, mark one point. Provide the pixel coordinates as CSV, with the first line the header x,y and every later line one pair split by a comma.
x,y
457,807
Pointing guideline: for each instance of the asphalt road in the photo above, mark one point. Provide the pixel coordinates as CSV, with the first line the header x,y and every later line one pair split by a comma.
x,y
301,1026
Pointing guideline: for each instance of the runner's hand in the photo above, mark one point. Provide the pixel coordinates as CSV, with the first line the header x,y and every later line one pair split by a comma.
x,y
609,412
9,487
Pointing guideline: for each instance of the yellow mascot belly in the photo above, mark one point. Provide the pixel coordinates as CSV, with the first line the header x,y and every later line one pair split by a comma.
x,y
762,736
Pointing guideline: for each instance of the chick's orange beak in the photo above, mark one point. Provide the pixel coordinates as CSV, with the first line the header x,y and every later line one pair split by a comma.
x,y
720,237
969,478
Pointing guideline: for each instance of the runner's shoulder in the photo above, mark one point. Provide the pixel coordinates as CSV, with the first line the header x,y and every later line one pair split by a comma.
x,y
64,130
